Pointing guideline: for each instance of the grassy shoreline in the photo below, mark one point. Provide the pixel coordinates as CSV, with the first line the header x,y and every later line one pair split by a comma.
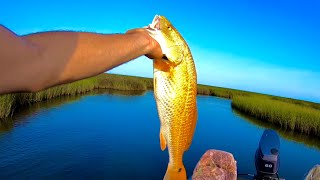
x,y
290,114
310,141
10,103
286,115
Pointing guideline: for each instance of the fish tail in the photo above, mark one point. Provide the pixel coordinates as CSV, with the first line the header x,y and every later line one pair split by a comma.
x,y
174,173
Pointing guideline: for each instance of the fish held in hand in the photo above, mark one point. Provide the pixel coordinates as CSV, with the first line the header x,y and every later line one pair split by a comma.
x,y
175,91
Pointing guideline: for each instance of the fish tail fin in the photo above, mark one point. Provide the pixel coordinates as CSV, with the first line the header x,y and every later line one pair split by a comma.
x,y
175,173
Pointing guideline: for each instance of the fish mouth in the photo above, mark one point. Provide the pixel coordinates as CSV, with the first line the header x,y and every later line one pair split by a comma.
x,y
154,29
155,25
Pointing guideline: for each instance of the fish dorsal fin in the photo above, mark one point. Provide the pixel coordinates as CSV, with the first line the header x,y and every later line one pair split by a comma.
x,y
163,143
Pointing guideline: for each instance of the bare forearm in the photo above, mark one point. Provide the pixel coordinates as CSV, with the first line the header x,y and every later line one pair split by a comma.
x,y
62,57
70,56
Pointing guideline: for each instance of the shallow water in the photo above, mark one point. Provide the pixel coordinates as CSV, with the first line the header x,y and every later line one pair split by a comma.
x,y
112,136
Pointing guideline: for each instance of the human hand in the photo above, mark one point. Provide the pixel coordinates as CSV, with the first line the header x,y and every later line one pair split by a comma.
x,y
153,50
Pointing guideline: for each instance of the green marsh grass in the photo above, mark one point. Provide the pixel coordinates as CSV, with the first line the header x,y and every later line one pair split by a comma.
x,y
310,141
8,124
122,82
7,105
289,116
11,102
221,92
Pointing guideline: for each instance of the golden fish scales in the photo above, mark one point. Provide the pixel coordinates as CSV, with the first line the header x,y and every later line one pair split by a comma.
x,y
175,90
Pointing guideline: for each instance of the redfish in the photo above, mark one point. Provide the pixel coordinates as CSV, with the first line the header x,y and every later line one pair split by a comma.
x,y
175,91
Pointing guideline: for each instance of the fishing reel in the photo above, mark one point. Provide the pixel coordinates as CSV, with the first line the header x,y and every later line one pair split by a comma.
x,y
267,157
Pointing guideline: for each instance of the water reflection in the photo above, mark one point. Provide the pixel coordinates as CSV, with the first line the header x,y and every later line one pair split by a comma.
x,y
102,136
119,92
7,124
309,141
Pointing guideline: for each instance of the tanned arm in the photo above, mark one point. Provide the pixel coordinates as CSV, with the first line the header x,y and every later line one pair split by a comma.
x,y
38,61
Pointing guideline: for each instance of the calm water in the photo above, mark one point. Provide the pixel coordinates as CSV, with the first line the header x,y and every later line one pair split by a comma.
x,y
107,136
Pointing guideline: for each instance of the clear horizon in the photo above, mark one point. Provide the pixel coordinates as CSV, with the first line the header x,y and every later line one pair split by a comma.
x,y
265,47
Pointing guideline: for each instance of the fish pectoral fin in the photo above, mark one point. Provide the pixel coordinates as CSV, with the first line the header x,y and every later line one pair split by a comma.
x,y
163,143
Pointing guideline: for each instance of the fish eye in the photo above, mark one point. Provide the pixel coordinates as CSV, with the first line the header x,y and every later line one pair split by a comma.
x,y
169,27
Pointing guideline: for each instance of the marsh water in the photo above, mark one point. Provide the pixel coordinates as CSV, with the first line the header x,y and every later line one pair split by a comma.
x,y
113,136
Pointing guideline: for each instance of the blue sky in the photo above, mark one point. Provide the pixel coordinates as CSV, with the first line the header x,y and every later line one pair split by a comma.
x,y
269,47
